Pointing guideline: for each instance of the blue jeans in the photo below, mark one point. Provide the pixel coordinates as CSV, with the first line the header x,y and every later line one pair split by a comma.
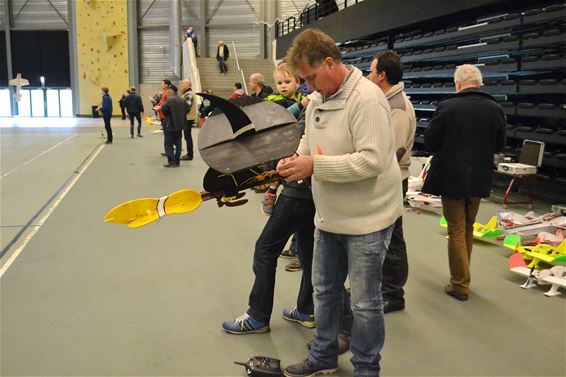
x,y
359,257
222,65
172,142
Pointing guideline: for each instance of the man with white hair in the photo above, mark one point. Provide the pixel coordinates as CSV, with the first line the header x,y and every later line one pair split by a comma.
x,y
257,86
466,130
222,55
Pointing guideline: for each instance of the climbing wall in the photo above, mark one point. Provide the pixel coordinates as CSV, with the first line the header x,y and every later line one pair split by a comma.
x,y
102,50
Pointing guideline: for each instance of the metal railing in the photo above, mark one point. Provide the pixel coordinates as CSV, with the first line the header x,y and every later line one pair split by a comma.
x,y
239,72
310,14
190,69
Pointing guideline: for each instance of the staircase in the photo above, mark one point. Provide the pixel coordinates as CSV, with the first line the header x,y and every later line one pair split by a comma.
x,y
222,84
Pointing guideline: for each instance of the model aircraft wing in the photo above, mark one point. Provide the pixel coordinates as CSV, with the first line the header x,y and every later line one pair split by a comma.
x,y
22,82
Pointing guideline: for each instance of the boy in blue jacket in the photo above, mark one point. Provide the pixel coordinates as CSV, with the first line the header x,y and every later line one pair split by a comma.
x,y
106,110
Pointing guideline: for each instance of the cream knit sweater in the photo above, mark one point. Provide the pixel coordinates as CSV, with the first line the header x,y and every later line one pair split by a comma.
x,y
356,181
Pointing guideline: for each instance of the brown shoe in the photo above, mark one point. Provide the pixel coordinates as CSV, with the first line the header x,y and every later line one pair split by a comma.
x,y
294,265
288,254
451,291
343,342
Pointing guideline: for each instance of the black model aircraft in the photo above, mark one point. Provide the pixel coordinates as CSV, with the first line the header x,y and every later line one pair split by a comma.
x,y
240,143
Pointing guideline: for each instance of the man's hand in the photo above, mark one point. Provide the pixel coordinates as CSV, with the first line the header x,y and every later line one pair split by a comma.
x,y
295,168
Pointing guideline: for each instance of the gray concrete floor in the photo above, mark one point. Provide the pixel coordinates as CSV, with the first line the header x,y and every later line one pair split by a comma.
x,y
86,298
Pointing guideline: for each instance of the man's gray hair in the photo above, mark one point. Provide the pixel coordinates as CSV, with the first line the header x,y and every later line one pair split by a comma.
x,y
468,74
258,77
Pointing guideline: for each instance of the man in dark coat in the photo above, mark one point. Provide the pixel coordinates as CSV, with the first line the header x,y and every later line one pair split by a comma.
x,y
175,110
222,55
134,105
464,133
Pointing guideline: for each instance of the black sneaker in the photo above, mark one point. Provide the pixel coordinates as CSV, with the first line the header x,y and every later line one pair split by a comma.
x,y
307,368
392,306
294,315
245,324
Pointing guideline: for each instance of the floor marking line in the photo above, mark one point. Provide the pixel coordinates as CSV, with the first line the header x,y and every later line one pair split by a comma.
x,y
16,226
39,155
58,196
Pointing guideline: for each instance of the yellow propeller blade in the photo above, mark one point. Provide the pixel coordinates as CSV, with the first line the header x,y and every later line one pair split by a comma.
x,y
131,210
183,201
139,212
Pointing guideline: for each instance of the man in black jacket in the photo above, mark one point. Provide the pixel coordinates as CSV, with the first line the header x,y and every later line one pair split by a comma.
x,y
464,133
134,105
175,110
257,87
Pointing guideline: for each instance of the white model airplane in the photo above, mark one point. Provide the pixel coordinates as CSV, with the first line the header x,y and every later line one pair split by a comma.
x,y
18,82
416,183
415,197
528,229
555,276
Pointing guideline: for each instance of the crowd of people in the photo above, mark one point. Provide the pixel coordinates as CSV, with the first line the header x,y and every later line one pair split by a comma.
x,y
341,200
177,115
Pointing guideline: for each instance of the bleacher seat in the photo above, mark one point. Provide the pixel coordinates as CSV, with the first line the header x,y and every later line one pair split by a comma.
x,y
530,58
548,82
554,8
532,12
551,32
511,16
545,131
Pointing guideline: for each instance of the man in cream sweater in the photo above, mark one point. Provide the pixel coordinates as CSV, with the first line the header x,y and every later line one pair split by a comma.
x,y
349,151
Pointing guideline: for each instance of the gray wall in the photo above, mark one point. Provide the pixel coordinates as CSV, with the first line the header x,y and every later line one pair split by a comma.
x,y
227,20
39,15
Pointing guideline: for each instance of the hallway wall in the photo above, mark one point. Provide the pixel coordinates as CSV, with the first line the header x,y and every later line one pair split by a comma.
x,y
102,51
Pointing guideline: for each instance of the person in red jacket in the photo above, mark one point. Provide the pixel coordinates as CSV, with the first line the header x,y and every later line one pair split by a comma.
x,y
164,85
238,91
